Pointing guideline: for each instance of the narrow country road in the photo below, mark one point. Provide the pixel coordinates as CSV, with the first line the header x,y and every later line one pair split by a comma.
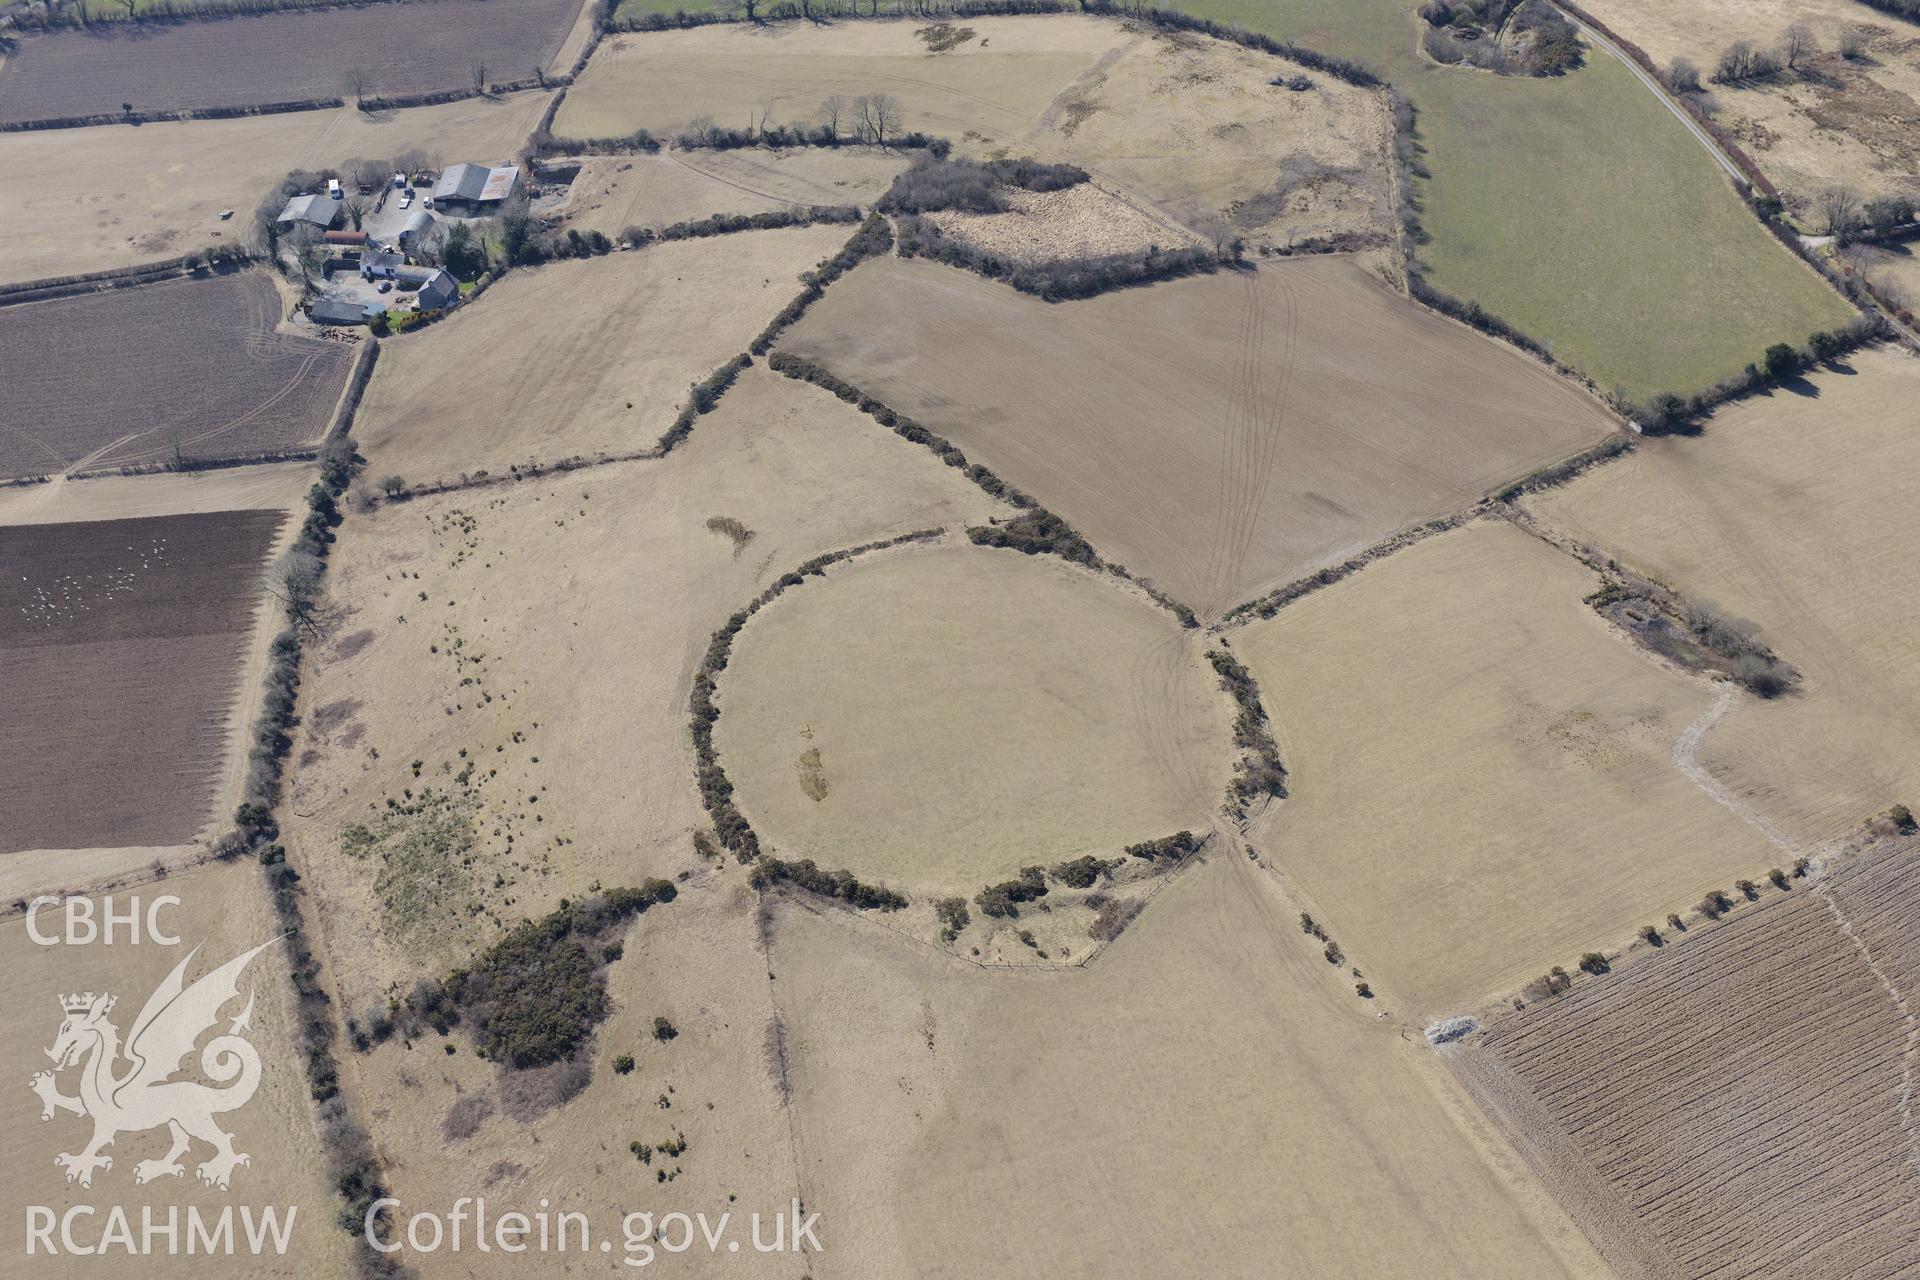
x,y
1660,91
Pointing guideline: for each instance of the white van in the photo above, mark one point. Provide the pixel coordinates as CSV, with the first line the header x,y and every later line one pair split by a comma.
x,y
333,187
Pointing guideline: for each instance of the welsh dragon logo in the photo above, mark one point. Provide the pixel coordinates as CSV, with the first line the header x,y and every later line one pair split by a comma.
x,y
142,1095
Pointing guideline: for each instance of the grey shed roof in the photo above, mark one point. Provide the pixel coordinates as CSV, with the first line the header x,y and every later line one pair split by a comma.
x,y
320,210
381,260
335,311
440,290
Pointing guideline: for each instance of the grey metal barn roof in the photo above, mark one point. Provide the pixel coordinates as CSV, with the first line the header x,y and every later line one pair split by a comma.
x,y
336,311
319,209
475,183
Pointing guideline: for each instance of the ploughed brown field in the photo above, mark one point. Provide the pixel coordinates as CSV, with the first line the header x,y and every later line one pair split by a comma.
x,y
420,47
1737,1103
1222,435
121,643
193,369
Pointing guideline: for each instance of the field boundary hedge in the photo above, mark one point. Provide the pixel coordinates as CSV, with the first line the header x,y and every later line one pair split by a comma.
x,y
181,113
219,260
1273,602
716,789
264,457
1064,279
354,1167
1546,477
1258,771
1044,531
873,238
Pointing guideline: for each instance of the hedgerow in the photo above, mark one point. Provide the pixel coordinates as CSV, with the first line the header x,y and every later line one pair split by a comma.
x,y
840,885
1065,278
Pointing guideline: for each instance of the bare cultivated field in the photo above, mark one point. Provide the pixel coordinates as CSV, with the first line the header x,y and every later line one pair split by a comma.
x,y
224,911
446,1128
113,197
419,47
613,193
942,717
1221,434
589,356
1844,122
1782,512
958,1122
1737,1103
549,631
1080,221
121,644
1188,127
188,369
1482,777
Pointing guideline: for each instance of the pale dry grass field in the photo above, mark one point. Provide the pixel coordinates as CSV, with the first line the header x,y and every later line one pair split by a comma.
x,y
941,717
224,910
1846,123
118,195
1081,221
1893,269
1206,1099
613,193
1737,1103
696,962
1482,784
1221,434
555,646
1784,512
268,485
995,89
1194,128
1186,127
589,355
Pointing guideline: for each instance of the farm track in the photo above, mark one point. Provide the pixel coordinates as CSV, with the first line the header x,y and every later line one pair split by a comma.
x,y
1735,1090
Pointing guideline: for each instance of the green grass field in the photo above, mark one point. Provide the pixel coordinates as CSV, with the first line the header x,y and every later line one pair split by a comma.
x,y
1576,208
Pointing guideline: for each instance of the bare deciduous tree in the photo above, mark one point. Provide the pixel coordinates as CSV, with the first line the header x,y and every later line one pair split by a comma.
x,y
830,112
1840,209
478,69
1683,76
358,82
296,584
1797,45
765,113
1853,43
884,115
